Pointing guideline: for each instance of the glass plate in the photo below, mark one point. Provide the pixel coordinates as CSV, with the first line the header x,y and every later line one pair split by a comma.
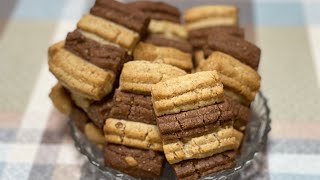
x,y
255,140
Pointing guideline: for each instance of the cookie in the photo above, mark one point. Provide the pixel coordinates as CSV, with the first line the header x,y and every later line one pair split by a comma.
x,y
167,55
198,57
132,107
239,137
139,163
109,31
94,134
194,122
157,10
238,48
167,28
197,168
60,98
211,15
80,101
198,38
79,118
138,76
241,114
235,76
217,141
121,14
80,76
105,56
187,92
133,134
160,40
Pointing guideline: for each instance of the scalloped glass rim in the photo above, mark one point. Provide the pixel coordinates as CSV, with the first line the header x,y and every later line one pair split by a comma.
x,y
255,139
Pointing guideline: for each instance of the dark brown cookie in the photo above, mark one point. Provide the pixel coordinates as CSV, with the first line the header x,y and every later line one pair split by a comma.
x,y
199,37
79,118
135,162
241,114
122,14
196,168
133,107
159,40
195,121
240,49
158,10
107,57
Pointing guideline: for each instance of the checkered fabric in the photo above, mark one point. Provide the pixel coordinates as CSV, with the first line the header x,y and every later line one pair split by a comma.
x,y
34,137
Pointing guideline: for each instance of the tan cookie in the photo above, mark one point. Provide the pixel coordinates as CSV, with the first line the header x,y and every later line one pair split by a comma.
x,y
167,55
235,76
55,48
187,92
167,28
133,134
80,76
80,101
97,38
61,99
198,57
220,140
94,134
109,31
139,76
239,136
211,15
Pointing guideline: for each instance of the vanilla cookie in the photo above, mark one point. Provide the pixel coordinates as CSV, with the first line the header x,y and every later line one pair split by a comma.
x,y
60,98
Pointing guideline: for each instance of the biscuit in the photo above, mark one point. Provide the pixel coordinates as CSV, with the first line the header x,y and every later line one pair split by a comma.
x,y
80,76
241,114
132,107
238,48
60,98
167,28
234,75
194,122
217,141
139,163
121,14
94,134
138,76
159,40
187,92
79,117
167,55
109,31
133,134
239,137
196,168
80,101
53,49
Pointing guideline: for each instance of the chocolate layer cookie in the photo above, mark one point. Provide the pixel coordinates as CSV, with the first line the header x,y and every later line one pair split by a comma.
x,y
158,10
196,168
132,107
194,122
160,40
105,56
240,49
241,114
135,162
122,14
79,117
199,37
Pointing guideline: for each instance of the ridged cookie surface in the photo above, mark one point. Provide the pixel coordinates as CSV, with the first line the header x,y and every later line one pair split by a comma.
x,y
167,28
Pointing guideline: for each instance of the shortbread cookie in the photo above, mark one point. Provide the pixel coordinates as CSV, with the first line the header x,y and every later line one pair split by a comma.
x,y
194,122
109,31
133,134
121,14
159,40
168,29
53,49
60,98
211,15
139,76
220,140
139,163
234,75
187,92
94,134
132,107
80,76
79,118
238,48
167,55
196,168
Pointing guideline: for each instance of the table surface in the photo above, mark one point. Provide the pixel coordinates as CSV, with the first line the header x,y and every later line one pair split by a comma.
x,y
34,137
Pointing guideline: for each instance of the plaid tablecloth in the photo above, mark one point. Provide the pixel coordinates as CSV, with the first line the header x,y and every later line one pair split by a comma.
x,y
34,137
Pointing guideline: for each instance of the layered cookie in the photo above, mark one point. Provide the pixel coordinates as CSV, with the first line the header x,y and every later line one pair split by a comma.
x,y
167,38
131,126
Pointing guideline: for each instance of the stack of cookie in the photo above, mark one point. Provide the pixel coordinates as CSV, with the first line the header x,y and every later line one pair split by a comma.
x,y
166,41
134,142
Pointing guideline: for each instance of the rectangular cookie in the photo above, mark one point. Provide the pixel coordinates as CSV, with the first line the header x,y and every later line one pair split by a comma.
x,y
138,76
217,141
187,92
132,107
139,163
133,134
61,99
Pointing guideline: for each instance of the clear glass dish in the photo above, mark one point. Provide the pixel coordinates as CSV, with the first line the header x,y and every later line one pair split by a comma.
x,y
255,140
